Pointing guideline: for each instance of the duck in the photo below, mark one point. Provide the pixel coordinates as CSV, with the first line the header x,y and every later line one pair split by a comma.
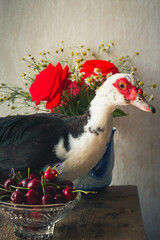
x,y
76,143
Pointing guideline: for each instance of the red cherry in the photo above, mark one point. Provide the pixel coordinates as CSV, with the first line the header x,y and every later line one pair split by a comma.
x,y
34,176
24,182
51,174
59,186
69,193
47,199
35,184
52,190
9,182
59,198
35,215
33,197
17,197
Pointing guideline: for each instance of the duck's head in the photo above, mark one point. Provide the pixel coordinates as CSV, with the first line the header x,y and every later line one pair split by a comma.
x,y
123,89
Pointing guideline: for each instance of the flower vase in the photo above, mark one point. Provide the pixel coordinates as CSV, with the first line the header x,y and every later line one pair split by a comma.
x,y
101,175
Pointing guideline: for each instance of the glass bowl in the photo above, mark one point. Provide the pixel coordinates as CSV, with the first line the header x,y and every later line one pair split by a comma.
x,y
35,222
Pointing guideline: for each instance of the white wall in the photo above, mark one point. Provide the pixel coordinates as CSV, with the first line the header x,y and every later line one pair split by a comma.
x,y
133,25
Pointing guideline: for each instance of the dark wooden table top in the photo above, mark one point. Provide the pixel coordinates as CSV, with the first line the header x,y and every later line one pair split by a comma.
x,y
113,214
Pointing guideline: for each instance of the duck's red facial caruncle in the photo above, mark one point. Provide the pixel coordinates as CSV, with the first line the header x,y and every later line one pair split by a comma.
x,y
127,89
133,94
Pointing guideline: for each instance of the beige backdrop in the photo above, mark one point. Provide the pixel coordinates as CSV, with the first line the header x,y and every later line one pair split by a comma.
x,y
133,25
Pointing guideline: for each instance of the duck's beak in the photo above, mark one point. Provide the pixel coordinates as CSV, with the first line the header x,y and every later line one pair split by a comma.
x,y
141,103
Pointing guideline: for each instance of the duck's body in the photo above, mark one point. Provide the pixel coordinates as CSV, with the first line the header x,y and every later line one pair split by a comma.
x,y
29,141
77,142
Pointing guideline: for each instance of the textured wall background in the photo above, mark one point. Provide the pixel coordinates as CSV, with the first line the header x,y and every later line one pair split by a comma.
x,y
33,26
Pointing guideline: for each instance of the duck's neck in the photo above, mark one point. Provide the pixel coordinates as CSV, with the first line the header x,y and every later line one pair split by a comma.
x,y
88,148
100,110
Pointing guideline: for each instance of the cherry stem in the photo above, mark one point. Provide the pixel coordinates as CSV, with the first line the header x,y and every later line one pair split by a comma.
x,y
85,192
12,174
3,189
57,165
53,184
42,183
48,168
4,196
28,172
19,187
58,186
19,176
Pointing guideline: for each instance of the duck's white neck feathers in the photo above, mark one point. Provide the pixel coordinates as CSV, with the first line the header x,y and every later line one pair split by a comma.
x,y
89,147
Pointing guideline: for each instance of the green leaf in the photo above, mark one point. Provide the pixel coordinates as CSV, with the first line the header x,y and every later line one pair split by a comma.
x,y
119,113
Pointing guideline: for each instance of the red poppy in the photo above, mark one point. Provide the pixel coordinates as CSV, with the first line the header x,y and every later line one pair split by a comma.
x,y
104,66
49,84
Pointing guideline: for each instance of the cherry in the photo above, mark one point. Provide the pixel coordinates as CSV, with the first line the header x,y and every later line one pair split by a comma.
x,y
47,199
35,184
21,190
30,190
69,193
59,185
59,198
17,197
33,197
24,182
51,174
51,190
34,176
35,215
9,182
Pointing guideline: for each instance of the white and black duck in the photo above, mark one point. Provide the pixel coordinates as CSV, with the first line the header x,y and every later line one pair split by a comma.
x,y
78,142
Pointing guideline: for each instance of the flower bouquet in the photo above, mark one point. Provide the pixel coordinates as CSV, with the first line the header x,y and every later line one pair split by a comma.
x,y
65,82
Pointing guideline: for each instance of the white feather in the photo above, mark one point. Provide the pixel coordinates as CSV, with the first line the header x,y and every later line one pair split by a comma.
x,y
87,149
59,149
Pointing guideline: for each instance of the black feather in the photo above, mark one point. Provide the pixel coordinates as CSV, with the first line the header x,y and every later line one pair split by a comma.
x,y
28,140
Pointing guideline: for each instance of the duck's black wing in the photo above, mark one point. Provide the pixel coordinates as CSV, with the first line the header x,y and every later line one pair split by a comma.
x,y
28,141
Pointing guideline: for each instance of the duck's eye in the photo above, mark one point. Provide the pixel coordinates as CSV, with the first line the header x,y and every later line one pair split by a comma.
x,y
140,99
122,86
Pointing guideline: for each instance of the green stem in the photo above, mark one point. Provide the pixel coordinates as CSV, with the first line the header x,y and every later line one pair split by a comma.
x,y
28,62
28,172
98,54
4,196
20,187
57,186
48,59
42,183
3,189
13,172
130,60
85,192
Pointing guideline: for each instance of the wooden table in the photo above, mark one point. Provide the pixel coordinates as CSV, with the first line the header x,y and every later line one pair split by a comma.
x,y
113,214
